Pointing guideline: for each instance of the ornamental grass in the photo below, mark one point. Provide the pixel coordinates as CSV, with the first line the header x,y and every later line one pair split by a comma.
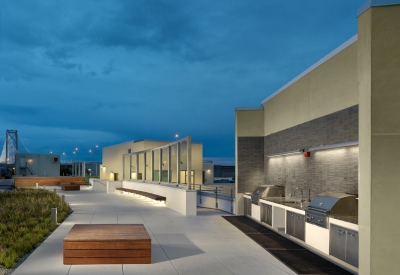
x,y
25,221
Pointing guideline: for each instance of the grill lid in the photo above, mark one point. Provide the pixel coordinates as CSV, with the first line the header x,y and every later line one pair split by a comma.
x,y
335,203
269,191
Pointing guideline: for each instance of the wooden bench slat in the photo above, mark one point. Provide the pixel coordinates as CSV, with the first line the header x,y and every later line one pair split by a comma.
x,y
107,253
70,187
77,261
146,194
107,245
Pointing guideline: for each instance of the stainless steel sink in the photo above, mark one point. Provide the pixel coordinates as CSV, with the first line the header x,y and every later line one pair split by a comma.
x,y
297,204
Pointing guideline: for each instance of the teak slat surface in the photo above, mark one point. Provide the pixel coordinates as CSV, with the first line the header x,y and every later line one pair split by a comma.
x,y
107,232
107,253
70,187
107,244
76,261
146,194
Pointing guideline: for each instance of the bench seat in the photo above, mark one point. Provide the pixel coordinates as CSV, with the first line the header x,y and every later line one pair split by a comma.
x,y
70,187
145,194
107,244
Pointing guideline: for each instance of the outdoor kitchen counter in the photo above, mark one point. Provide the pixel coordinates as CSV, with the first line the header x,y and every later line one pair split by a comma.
x,y
287,202
350,219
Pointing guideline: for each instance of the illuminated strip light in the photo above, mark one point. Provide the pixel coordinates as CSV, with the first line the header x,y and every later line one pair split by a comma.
x,y
286,153
332,146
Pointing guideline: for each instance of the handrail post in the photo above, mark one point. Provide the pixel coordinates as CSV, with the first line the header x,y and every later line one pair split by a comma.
x,y
216,197
231,200
200,194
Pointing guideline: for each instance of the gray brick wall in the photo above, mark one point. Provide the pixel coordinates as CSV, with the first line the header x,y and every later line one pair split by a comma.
x,y
334,128
333,170
250,163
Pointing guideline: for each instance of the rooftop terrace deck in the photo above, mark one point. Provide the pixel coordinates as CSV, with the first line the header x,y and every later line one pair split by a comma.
x,y
203,244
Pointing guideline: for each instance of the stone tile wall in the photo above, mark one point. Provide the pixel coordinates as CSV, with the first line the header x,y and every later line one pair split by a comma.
x,y
333,170
334,128
250,163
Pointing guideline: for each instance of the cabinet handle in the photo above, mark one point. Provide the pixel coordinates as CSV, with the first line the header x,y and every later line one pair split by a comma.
x,y
340,231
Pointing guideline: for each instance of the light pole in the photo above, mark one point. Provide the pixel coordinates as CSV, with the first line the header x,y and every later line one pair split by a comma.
x,y
92,152
64,154
74,155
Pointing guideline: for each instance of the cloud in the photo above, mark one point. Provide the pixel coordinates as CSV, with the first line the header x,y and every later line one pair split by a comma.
x,y
108,68
59,56
20,111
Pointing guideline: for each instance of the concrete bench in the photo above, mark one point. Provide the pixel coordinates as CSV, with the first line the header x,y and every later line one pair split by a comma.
x,y
70,187
145,194
107,244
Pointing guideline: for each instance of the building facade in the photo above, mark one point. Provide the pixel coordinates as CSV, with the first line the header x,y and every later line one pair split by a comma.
x,y
153,160
42,165
348,104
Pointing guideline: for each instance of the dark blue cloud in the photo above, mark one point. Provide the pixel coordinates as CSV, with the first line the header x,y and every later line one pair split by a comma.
x,y
119,70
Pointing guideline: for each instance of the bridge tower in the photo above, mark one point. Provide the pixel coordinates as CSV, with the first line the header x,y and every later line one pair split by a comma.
x,y
11,146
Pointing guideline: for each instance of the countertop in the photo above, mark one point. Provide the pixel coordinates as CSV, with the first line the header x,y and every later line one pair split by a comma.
x,y
346,218
290,202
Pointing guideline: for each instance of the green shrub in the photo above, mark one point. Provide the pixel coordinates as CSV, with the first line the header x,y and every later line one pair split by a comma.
x,y
25,221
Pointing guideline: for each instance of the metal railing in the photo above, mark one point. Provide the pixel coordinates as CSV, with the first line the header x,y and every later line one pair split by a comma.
x,y
219,192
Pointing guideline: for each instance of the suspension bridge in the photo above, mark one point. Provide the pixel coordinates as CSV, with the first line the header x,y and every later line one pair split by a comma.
x,y
10,149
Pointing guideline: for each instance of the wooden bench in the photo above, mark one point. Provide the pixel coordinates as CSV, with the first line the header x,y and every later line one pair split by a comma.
x,y
107,244
70,187
145,194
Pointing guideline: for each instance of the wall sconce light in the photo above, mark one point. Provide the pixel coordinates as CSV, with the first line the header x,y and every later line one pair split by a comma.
x,y
286,153
332,146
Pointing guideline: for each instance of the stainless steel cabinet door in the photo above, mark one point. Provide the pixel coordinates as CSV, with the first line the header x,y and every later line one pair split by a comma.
x,y
300,227
290,216
337,242
247,206
352,248
266,213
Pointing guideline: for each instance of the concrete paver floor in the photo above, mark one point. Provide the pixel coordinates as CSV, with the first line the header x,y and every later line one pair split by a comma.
x,y
205,244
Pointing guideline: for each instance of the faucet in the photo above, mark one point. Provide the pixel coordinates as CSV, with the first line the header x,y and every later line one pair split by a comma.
x,y
294,193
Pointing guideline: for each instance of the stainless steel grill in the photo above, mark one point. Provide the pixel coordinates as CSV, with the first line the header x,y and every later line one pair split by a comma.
x,y
267,191
330,203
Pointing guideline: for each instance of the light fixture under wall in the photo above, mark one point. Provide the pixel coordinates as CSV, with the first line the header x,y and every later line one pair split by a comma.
x,y
286,153
332,146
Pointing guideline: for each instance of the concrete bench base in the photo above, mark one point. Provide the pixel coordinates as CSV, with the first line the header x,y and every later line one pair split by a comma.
x,y
107,244
146,194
